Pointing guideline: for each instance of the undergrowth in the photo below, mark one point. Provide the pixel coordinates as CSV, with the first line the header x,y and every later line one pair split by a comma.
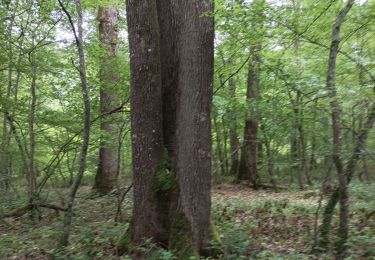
x,y
271,226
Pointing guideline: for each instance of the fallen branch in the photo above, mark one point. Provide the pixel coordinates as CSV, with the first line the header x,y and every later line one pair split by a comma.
x,y
268,186
121,198
23,210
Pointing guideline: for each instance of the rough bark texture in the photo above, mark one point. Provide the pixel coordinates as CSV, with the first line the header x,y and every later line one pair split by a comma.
x,y
193,118
248,163
106,176
146,117
171,54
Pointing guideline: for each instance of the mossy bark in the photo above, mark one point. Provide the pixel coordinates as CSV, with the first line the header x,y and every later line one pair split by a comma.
x,y
181,238
125,243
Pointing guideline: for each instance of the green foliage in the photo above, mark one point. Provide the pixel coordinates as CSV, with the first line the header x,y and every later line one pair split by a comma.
x,y
164,180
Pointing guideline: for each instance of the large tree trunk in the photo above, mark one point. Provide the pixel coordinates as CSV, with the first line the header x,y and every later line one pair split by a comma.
x,y
171,54
106,176
146,119
194,121
248,162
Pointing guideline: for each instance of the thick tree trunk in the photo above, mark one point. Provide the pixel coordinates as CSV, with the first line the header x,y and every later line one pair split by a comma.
x,y
107,173
194,121
146,120
171,53
248,163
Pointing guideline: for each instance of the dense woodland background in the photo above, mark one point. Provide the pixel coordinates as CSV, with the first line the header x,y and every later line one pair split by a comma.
x,y
290,133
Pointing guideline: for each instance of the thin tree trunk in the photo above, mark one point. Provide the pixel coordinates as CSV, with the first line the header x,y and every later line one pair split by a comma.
x,y
31,171
336,133
234,144
64,239
219,147
313,138
4,156
270,164
107,174
295,145
298,158
226,161
349,172
364,172
303,146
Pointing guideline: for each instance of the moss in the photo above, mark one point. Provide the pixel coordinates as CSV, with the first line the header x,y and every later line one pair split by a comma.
x,y
164,179
181,238
215,237
125,243
215,247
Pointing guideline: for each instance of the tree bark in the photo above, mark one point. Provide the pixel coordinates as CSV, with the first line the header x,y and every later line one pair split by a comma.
x,y
146,120
171,54
248,162
31,171
361,139
107,172
219,146
86,121
194,120
336,134
4,154
233,136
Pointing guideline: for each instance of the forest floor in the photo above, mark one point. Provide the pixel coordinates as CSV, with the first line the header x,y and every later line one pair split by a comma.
x,y
252,225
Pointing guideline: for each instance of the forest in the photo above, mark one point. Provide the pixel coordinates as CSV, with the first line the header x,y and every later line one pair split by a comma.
x,y
176,129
